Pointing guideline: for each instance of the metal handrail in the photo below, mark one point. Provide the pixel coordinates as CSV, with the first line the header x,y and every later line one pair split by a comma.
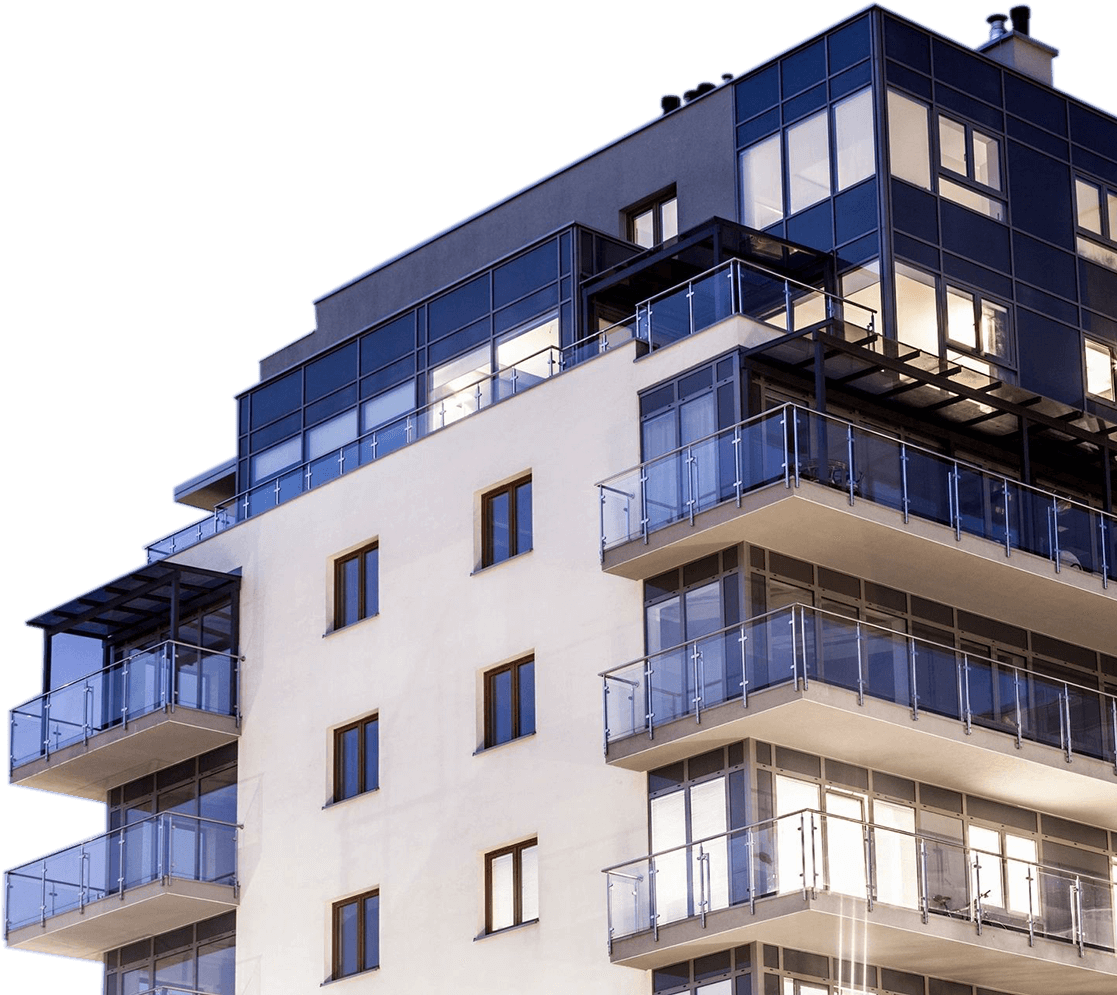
x,y
232,654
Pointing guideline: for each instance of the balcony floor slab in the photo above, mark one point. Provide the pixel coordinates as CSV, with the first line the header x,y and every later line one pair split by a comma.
x,y
828,721
887,937
816,522
116,921
121,754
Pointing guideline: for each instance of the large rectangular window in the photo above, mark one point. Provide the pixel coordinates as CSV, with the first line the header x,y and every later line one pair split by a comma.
x,y
357,758
762,183
357,586
909,144
510,702
511,886
1101,370
853,139
356,931
506,528
1096,217
808,162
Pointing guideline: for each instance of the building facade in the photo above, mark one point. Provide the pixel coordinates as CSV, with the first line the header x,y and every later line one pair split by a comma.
x,y
695,573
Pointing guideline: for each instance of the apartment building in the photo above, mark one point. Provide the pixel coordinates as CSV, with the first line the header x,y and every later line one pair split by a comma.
x,y
695,573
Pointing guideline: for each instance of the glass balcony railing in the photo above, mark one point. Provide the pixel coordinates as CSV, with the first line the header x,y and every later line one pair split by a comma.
x,y
170,675
751,291
790,444
814,852
164,845
799,644
465,400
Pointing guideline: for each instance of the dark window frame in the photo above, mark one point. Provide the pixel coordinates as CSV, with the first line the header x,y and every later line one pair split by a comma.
x,y
366,781
653,205
336,972
517,851
1005,363
488,545
514,668
361,557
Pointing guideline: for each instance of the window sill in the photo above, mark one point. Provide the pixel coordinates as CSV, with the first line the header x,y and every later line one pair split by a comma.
x,y
493,566
333,803
349,628
507,929
357,974
497,746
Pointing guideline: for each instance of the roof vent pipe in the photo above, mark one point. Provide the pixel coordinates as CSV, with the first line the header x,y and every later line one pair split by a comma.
x,y
997,25
1020,17
669,103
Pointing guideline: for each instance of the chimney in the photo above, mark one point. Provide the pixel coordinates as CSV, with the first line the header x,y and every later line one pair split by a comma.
x,y
669,103
1010,41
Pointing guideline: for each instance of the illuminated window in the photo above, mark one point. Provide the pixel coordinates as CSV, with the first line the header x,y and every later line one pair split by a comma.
x,y
909,147
1096,218
654,221
1101,370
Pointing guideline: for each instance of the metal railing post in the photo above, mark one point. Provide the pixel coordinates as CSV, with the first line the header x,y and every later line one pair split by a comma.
x,y
1019,714
750,849
795,439
649,715
601,521
1053,532
43,895
1079,926
46,727
1031,911
978,910
904,480
120,859
955,502
605,713
696,666
690,308
703,899
83,877
609,913
849,462
794,653
786,453
1104,554
653,900
690,461
86,714
160,871
860,670
924,901
644,503
803,850
870,868
914,688
743,639
170,663
1004,503
814,856
964,696
738,483
127,692
1113,742
1064,711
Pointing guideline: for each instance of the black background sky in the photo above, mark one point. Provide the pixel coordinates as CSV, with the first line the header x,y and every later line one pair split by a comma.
x,y
180,201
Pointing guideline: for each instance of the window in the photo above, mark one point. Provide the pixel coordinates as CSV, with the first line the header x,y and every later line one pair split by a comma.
x,y
506,522
1096,217
357,758
654,221
978,327
357,586
356,934
1101,370
511,886
510,702
908,143
974,156
825,153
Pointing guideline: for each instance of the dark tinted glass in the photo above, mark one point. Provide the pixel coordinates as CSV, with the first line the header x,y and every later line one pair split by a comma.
x,y
331,371
372,582
347,762
276,399
926,256
518,313
804,103
372,932
711,966
914,211
813,227
525,273
346,927
1041,195
902,76
804,68
968,233
498,524
1050,357
758,92
849,44
523,517
350,584
758,127
460,341
1037,300
665,978
1035,103
978,276
388,377
1093,131
372,755
855,211
968,107
1099,287
387,343
1037,137
275,431
458,307
500,707
850,80
967,72
338,401
1044,267
907,44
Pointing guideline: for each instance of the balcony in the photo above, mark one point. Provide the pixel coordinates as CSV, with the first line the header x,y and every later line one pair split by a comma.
x,y
152,876
824,489
155,708
861,693
925,904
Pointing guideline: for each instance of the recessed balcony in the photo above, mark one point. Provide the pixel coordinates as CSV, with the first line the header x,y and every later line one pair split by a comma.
x,y
857,692
149,877
825,490
812,880
155,708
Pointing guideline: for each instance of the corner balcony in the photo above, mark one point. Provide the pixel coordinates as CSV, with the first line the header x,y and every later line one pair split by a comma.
x,y
857,692
150,877
812,879
825,490
155,708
